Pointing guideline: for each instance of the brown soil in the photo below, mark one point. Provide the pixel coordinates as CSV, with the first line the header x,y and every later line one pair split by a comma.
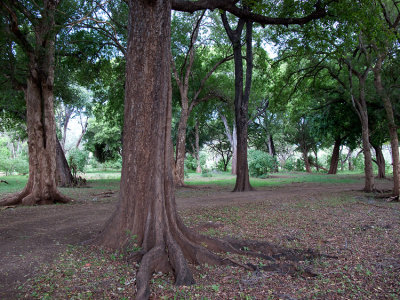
x,y
31,236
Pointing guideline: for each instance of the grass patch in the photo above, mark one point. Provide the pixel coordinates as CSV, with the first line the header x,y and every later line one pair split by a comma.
x,y
226,179
15,183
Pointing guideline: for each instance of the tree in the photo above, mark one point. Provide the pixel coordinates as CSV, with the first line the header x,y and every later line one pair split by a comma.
x,y
147,207
390,12
241,97
38,89
188,103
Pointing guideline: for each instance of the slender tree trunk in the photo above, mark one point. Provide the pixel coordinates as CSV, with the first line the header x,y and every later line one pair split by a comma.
x,y
394,138
306,161
317,166
350,158
197,149
232,138
380,161
272,151
335,156
63,172
368,170
181,147
67,116
360,106
241,98
83,131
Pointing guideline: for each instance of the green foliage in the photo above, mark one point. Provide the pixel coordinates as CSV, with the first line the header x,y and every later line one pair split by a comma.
x,y
191,162
77,160
15,161
206,173
294,164
260,163
358,162
103,140
220,166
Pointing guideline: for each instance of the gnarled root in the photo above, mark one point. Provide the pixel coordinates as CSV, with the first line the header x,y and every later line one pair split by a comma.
x,y
26,197
179,248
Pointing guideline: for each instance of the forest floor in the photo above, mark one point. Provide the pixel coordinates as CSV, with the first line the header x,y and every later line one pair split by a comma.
x,y
358,235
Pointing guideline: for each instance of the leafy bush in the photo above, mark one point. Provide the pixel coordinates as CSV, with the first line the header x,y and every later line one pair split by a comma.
x,y
260,163
191,163
77,160
290,164
300,165
220,165
206,173
358,162
21,165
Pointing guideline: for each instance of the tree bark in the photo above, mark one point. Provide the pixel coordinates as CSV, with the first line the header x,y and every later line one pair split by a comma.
x,y
360,106
197,147
335,157
306,161
83,131
234,151
272,151
63,172
232,138
41,187
350,160
394,138
241,97
369,174
181,147
380,161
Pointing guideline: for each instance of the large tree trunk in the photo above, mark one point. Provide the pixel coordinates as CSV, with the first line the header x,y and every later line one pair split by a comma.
x,y
380,161
335,157
63,172
41,187
146,212
394,138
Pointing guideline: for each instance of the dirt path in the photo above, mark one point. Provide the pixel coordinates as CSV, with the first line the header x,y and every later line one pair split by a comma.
x,y
30,236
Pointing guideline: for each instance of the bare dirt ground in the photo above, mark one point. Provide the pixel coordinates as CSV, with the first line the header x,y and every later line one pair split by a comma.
x,y
32,236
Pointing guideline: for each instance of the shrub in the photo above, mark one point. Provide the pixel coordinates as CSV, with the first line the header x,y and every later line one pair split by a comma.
x,y
300,165
290,164
77,160
358,162
191,163
220,166
206,173
21,165
260,163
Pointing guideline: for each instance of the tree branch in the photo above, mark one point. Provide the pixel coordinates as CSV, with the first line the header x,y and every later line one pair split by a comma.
x,y
230,6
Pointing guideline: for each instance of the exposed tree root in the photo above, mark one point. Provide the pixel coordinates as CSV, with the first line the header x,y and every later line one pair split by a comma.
x,y
28,198
185,245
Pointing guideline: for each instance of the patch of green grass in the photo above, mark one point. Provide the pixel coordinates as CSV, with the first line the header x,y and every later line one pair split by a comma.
x,y
15,184
226,179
